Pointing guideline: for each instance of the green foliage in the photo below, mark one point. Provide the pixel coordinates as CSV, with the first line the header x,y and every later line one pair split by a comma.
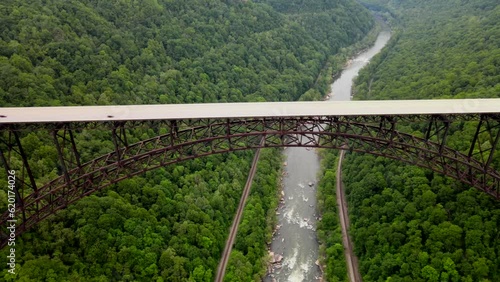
x,y
169,224
445,51
409,224
119,52
249,257
412,228
329,230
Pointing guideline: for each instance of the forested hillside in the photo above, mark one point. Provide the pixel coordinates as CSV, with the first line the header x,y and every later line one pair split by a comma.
x,y
170,224
410,224
445,50
118,52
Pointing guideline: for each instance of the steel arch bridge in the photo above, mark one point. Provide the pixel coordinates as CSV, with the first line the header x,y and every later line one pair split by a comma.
x,y
197,130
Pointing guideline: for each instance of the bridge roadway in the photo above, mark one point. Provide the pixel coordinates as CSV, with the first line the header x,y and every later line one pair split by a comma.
x,y
245,110
196,130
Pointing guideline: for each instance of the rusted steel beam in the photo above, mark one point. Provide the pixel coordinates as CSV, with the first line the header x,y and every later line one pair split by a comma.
x,y
445,135
19,198
26,165
189,139
432,123
62,161
476,136
76,154
19,188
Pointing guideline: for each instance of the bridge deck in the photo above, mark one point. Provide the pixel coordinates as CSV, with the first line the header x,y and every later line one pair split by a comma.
x,y
236,110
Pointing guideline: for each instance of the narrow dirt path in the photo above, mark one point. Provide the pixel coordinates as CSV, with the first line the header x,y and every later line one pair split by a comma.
x,y
351,259
221,270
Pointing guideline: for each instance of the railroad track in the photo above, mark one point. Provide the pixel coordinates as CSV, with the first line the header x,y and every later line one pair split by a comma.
x,y
221,270
351,259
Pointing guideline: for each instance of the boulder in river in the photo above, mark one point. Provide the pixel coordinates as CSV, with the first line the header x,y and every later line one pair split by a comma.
x,y
271,254
278,258
275,258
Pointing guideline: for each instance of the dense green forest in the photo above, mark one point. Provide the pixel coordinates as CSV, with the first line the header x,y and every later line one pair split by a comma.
x,y
407,223
170,224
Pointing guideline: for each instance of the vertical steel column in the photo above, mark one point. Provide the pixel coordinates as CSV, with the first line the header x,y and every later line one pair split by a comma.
x,y
491,138
476,136
117,147
119,137
30,176
19,180
228,132
281,130
445,135
25,162
392,130
492,150
429,128
382,125
174,131
73,147
435,123
19,198
62,161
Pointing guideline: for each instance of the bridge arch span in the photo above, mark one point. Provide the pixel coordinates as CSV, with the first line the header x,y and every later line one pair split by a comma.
x,y
189,139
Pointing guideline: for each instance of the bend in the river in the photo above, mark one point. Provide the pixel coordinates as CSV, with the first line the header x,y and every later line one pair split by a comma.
x,y
294,245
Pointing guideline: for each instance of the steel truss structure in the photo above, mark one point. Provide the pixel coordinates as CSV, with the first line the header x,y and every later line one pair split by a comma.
x,y
185,139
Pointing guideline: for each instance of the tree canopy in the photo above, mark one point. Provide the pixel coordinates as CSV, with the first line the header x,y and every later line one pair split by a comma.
x,y
410,224
169,224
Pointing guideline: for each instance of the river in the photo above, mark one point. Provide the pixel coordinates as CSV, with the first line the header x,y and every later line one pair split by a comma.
x,y
295,243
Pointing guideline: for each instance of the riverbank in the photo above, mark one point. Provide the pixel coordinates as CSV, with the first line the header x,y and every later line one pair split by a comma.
x,y
330,238
295,249
336,63
294,244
